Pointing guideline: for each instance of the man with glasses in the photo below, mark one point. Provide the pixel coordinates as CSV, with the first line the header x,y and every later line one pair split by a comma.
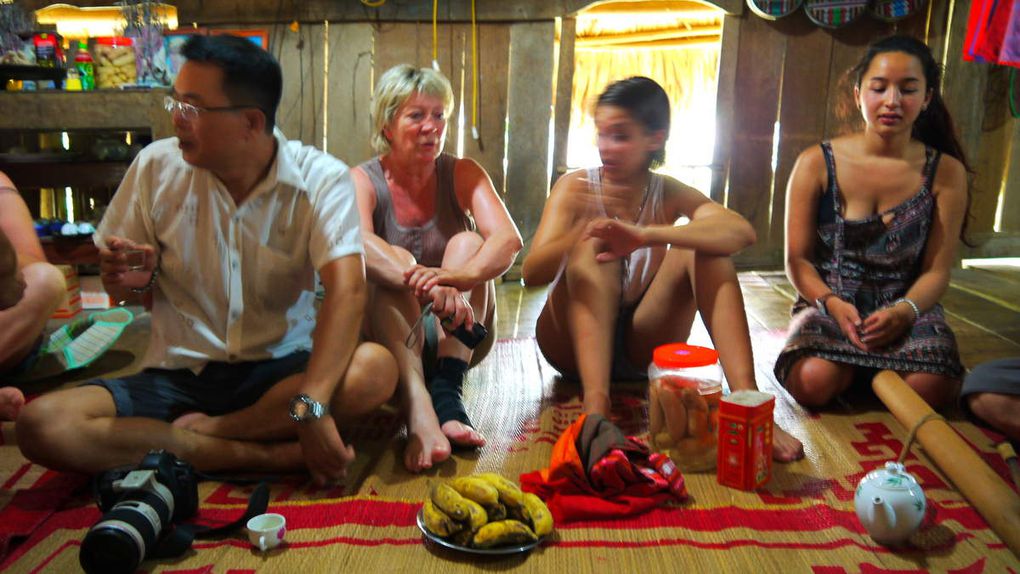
x,y
232,222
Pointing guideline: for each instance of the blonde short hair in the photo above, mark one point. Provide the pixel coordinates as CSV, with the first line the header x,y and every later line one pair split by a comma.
x,y
398,84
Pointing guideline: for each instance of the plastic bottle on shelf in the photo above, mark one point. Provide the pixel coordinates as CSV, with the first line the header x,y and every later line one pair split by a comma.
x,y
86,68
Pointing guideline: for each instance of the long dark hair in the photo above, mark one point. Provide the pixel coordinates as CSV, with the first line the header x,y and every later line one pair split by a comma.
x,y
644,99
934,126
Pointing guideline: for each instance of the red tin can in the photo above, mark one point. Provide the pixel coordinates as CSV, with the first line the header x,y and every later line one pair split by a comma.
x,y
745,439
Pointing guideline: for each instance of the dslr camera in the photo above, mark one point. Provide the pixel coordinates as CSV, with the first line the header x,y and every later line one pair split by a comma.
x,y
140,506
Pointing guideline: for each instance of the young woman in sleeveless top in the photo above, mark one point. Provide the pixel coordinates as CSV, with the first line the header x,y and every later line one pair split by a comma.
x,y
436,233
872,221
625,277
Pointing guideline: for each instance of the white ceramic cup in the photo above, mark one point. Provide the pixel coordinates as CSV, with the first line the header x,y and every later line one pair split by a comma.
x,y
266,531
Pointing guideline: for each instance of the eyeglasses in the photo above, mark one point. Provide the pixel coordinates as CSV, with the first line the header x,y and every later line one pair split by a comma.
x,y
190,111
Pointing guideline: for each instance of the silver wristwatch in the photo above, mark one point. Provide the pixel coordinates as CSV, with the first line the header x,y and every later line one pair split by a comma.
x,y
305,409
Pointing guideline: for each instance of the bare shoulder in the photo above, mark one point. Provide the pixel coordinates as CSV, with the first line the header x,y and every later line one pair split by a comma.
x,y
951,176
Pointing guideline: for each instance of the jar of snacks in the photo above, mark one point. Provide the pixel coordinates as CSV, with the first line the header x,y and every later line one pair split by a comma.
x,y
115,62
684,390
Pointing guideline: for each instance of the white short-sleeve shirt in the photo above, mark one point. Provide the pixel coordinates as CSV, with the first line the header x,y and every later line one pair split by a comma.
x,y
236,283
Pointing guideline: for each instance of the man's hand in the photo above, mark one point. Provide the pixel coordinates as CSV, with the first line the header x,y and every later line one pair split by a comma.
x,y
114,263
326,455
619,239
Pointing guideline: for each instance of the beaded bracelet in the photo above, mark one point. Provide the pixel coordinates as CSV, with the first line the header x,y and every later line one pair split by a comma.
x,y
913,306
152,281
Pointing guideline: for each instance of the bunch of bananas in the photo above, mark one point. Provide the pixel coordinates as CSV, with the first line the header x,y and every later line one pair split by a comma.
x,y
485,511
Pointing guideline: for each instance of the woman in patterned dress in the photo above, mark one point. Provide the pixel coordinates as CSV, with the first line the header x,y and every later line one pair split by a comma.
x,y
872,221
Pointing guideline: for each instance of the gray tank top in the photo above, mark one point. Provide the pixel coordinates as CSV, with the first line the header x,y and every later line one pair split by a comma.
x,y
427,242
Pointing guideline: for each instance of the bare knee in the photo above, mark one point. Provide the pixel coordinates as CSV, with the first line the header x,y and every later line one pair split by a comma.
x,y
371,379
41,427
46,283
462,247
936,390
583,270
815,382
998,411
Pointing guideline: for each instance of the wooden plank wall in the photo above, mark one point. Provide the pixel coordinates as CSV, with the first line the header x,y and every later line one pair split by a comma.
x,y
412,44
793,72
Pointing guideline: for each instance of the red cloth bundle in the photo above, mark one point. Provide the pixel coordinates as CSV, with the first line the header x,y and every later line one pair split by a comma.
x,y
597,473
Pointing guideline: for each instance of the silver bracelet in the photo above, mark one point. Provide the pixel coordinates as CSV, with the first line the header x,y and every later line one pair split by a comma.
x,y
913,306
152,281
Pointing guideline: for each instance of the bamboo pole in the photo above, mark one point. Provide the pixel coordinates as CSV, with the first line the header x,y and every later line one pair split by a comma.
x,y
984,489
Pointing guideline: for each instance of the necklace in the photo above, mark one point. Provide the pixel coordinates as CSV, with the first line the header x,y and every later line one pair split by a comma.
x,y
641,207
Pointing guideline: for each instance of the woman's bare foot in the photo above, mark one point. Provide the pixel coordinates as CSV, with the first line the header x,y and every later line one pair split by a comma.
x,y
11,401
786,447
462,435
426,443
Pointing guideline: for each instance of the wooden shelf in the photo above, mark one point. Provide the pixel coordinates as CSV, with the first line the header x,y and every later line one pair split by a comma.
x,y
11,71
96,110
70,250
67,173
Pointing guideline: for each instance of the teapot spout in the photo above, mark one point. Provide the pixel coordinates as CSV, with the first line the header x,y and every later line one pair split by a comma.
x,y
883,515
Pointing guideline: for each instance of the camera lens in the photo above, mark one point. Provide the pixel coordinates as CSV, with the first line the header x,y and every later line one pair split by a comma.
x,y
125,535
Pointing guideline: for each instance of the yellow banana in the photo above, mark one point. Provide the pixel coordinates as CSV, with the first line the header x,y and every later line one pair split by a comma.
x,y
476,514
438,522
496,512
446,499
541,518
509,493
502,533
474,488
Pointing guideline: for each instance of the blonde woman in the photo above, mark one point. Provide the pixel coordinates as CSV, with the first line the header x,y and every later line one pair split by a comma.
x,y
436,235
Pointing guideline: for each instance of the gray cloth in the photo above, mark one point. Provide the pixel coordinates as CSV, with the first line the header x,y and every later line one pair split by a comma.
x,y
426,242
1002,376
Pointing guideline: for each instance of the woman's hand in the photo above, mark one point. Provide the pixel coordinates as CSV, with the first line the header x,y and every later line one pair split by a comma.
x,y
451,307
619,238
886,326
848,319
423,279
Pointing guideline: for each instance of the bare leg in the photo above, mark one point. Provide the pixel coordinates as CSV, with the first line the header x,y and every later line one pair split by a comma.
x,y
24,322
390,315
78,430
368,383
575,329
461,248
937,390
815,382
999,411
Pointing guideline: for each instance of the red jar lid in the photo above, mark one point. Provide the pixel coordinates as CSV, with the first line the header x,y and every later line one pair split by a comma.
x,y
682,355
115,41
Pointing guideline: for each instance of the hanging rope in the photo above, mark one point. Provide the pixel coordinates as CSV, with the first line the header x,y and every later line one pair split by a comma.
x,y
435,36
474,73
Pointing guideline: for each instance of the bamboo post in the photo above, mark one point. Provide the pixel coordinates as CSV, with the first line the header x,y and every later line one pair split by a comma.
x,y
984,489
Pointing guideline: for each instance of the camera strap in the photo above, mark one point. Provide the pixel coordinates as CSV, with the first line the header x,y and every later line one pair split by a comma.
x,y
179,539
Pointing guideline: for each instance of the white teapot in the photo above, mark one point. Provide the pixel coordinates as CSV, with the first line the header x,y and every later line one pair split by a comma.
x,y
890,504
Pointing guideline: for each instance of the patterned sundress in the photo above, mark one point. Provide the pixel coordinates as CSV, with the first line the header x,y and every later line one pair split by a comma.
x,y
871,263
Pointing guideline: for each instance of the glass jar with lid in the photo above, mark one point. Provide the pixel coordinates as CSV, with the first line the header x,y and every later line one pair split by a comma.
x,y
684,390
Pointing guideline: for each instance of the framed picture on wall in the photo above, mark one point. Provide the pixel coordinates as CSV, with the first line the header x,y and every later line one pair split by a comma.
x,y
259,36
173,40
